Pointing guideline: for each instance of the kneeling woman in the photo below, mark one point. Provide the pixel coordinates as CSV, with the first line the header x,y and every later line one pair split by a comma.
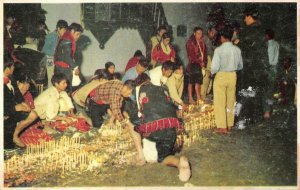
x,y
159,126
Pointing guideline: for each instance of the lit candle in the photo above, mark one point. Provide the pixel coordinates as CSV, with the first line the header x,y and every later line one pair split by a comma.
x,y
63,166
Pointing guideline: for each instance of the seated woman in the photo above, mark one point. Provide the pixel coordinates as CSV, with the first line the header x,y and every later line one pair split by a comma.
x,y
47,105
163,51
159,126
15,108
175,84
34,133
23,83
110,70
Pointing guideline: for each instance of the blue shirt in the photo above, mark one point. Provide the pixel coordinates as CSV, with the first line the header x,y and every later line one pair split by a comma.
x,y
51,41
227,58
131,74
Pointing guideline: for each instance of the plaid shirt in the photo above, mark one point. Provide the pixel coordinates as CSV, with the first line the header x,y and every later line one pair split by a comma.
x,y
110,93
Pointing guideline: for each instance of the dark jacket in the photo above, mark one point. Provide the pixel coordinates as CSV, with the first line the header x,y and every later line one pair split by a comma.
x,y
65,51
11,116
254,55
194,54
156,103
11,99
8,42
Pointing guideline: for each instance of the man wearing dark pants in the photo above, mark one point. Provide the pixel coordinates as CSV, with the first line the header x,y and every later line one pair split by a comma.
x,y
64,55
109,95
49,48
97,110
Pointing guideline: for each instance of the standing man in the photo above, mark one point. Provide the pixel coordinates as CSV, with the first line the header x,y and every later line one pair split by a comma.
x,y
273,54
196,51
64,56
50,46
251,44
226,61
8,36
253,75
288,81
208,39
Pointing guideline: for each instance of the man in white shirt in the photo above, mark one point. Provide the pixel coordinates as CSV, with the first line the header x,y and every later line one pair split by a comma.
x,y
53,100
273,54
159,75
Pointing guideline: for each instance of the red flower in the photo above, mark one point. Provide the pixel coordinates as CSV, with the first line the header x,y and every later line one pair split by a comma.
x,y
145,100
168,98
5,80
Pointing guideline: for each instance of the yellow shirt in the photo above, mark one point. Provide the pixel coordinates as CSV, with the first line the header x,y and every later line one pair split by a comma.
x,y
155,40
175,84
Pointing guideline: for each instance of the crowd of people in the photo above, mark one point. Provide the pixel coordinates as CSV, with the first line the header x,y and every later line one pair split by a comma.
x,y
146,98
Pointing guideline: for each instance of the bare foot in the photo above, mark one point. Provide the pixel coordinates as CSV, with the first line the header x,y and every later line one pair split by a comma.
x,y
140,162
184,169
18,142
191,101
136,161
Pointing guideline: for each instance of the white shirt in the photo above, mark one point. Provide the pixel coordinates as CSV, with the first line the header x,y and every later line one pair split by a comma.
x,y
273,52
157,77
47,104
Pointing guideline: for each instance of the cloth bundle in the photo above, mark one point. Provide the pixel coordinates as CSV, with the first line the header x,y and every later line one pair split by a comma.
x,y
79,123
34,135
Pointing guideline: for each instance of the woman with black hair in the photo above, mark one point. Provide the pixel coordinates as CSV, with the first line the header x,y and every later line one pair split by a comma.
x,y
15,108
197,55
34,133
23,83
110,70
163,51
